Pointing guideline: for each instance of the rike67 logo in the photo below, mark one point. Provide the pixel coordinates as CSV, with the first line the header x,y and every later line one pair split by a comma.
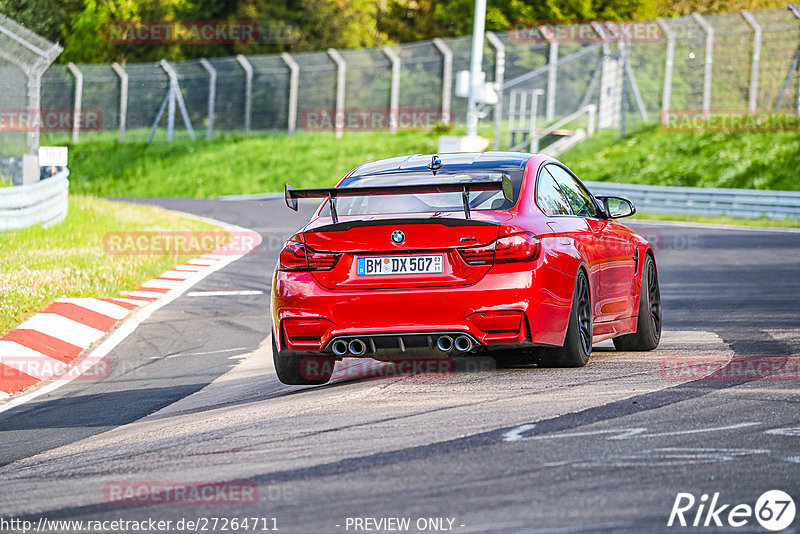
x,y
774,510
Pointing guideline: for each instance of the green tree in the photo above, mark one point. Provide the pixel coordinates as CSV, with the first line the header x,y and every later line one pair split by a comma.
x,y
45,17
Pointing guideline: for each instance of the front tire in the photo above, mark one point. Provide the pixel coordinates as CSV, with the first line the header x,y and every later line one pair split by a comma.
x,y
297,370
648,330
578,341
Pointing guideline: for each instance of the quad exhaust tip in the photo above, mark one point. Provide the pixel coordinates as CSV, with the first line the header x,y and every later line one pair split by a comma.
x,y
445,343
460,344
339,347
463,344
357,347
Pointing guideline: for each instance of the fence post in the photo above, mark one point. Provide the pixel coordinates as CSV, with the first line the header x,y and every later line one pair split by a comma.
x,y
709,31
611,82
34,82
248,90
341,77
796,12
533,135
669,65
751,20
212,95
552,73
591,126
394,93
123,98
447,78
76,113
294,86
174,96
624,49
499,73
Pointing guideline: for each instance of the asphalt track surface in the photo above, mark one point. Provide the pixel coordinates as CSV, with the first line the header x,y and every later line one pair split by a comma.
x,y
192,398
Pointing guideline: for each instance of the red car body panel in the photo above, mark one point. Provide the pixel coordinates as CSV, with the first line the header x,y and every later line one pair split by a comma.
x,y
502,304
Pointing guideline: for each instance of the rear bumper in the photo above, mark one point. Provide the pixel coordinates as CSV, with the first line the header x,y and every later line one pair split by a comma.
x,y
508,306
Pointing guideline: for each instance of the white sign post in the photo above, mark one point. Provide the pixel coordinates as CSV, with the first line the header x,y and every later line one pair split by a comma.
x,y
55,156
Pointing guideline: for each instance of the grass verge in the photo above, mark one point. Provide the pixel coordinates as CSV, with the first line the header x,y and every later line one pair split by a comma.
x,y
736,221
237,164
654,157
232,165
39,265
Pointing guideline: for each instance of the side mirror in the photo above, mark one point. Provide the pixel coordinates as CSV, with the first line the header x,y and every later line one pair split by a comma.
x,y
617,207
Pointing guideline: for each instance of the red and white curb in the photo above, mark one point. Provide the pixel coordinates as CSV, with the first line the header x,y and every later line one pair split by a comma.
x,y
49,346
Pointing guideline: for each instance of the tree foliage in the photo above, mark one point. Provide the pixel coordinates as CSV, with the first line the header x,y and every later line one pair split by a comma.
x,y
81,25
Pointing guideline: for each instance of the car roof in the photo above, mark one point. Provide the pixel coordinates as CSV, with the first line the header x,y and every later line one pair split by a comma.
x,y
507,161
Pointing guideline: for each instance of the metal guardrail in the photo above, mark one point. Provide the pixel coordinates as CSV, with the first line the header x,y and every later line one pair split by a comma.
x,y
746,203
45,202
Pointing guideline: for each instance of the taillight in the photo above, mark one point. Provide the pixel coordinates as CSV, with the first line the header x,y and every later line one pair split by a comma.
x,y
478,255
298,257
321,261
517,247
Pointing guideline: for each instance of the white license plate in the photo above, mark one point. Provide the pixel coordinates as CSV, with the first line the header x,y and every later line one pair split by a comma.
x,y
424,264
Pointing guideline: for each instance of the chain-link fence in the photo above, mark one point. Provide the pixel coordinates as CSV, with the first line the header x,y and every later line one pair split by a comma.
x,y
24,56
742,61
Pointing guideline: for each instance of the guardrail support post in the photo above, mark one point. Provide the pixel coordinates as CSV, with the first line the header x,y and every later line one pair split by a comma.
x,y
294,85
212,95
552,74
123,98
341,77
669,65
499,73
447,78
751,20
394,93
78,102
248,90
709,31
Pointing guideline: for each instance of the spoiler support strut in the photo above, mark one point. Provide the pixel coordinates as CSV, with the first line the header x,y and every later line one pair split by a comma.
x,y
291,194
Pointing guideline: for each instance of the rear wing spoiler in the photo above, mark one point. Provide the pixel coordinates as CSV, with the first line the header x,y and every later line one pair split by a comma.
x,y
291,194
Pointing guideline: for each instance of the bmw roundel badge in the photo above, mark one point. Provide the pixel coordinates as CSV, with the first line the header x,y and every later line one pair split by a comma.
x,y
398,237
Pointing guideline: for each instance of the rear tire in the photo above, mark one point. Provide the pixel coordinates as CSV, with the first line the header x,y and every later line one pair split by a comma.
x,y
299,370
578,341
648,330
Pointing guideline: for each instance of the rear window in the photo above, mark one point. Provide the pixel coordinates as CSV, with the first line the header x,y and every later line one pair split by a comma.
x,y
426,202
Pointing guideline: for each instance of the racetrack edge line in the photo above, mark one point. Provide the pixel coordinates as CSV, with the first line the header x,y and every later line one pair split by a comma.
x,y
129,324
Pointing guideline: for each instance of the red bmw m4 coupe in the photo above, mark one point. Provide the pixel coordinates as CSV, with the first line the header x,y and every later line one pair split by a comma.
x,y
497,253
